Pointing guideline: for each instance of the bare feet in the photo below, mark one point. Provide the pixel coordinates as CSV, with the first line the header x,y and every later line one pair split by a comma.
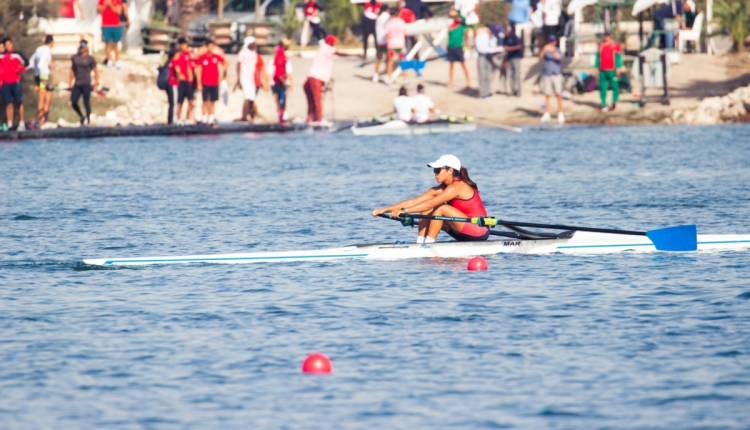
x,y
450,85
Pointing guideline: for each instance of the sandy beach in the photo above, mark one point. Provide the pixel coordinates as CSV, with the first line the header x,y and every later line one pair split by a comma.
x,y
135,99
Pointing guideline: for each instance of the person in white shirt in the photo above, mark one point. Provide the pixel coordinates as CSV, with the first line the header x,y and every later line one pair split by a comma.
x,y
469,10
404,105
423,105
486,45
381,44
551,10
41,62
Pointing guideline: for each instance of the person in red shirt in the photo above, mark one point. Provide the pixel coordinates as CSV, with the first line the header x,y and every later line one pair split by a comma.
x,y
608,51
68,9
282,77
369,16
209,69
184,66
111,28
311,10
12,64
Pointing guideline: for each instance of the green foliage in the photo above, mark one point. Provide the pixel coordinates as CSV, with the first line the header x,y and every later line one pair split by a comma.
x,y
734,18
340,15
289,22
494,12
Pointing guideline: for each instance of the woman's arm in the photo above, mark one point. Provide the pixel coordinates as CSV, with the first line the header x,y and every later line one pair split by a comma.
x,y
431,193
438,199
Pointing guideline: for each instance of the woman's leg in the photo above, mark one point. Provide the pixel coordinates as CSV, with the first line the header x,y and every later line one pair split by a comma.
x,y
449,211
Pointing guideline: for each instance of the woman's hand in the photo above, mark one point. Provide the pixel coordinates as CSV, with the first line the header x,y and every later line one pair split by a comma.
x,y
397,213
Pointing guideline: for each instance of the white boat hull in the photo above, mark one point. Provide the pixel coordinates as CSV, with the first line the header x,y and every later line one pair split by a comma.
x,y
397,127
580,243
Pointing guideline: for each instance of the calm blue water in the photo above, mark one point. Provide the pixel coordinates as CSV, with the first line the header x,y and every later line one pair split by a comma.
x,y
555,341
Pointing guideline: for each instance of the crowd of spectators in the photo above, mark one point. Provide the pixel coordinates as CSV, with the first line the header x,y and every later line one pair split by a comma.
x,y
191,72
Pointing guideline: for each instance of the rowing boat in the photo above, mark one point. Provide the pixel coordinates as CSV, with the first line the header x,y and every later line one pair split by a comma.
x,y
399,127
569,242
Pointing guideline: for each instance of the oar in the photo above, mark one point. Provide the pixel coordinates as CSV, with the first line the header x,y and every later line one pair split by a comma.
x,y
680,238
490,124
499,126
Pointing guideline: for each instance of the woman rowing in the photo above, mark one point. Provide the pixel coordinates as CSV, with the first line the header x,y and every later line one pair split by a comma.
x,y
457,196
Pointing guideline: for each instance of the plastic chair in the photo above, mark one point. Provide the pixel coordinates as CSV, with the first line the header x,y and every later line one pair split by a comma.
x,y
694,34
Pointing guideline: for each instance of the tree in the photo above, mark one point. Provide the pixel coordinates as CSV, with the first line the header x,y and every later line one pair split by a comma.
x,y
734,18
340,15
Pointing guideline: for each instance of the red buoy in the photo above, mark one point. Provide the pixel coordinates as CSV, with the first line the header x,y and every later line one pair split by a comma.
x,y
317,363
477,263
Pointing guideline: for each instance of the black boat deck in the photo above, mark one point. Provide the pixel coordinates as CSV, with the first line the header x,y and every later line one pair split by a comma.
x,y
162,130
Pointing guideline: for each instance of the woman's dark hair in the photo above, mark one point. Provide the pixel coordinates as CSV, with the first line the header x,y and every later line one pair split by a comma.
x,y
464,176
402,91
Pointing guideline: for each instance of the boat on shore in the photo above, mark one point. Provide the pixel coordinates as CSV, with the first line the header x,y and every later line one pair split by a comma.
x,y
398,127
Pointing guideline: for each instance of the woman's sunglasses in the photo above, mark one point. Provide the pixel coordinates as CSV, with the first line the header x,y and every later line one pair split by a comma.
x,y
437,170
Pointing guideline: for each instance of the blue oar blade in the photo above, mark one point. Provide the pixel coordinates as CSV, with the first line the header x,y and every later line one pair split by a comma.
x,y
680,238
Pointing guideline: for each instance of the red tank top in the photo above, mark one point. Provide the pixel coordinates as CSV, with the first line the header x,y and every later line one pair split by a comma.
x,y
472,207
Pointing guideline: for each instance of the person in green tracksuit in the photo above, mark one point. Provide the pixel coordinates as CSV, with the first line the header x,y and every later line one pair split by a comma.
x,y
608,60
456,46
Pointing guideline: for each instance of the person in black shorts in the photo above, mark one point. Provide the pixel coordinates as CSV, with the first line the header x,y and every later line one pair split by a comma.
x,y
82,64
183,66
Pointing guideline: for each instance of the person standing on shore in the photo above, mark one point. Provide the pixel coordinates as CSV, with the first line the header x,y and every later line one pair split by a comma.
x,y
250,70
184,66
552,80
369,16
68,9
671,10
610,55
551,11
111,28
395,36
172,83
456,32
281,70
210,67
312,20
82,64
318,75
486,46
514,53
41,62
520,21
12,65
381,44
125,23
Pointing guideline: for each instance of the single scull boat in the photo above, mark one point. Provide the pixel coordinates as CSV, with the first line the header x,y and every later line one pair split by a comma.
x,y
520,242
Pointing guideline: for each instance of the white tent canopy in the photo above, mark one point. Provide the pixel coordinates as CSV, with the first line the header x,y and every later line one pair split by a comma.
x,y
577,5
641,5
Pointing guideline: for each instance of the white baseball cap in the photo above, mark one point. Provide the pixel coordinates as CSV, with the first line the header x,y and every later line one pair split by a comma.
x,y
248,40
448,160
